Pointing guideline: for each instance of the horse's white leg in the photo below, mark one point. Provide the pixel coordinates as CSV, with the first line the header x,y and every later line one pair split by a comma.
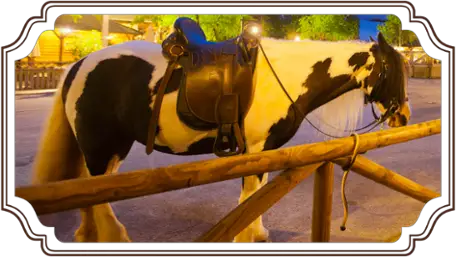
x,y
255,232
98,222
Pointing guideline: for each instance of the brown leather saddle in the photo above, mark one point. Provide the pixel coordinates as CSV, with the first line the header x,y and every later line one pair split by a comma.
x,y
216,89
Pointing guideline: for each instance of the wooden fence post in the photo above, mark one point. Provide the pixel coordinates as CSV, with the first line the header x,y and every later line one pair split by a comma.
x,y
322,203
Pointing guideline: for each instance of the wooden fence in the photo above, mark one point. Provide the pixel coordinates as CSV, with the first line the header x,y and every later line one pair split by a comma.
x,y
298,163
37,78
422,65
425,71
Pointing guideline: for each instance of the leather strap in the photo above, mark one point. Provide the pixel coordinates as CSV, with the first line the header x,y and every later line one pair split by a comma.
x,y
228,115
153,123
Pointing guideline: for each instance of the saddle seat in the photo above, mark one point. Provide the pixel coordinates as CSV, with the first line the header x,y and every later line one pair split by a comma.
x,y
192,33
216,88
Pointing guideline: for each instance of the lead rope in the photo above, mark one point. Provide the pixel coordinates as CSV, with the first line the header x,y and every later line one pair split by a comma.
x,y
346,169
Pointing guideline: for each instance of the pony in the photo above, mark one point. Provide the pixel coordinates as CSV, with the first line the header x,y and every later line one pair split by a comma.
x,y
103,105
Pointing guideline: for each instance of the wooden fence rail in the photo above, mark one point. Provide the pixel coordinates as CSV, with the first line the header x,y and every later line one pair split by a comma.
x,y
71,194
384,176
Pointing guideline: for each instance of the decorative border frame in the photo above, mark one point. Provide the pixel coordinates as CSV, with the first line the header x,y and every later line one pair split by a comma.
x,y
29,223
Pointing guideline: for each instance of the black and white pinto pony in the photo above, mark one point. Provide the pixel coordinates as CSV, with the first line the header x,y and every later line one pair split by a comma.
x,y
103,105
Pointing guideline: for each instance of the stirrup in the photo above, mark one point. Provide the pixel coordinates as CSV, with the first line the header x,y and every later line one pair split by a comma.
x,y
225,132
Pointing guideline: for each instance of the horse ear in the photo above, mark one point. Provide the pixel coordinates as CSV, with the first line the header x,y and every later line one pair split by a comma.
x,y
372,39
384,46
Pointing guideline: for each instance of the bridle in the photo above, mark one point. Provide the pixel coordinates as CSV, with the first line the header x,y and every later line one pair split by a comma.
x,y
371,98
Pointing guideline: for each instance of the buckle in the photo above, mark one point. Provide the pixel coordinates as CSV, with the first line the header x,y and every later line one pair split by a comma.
x,y
176,50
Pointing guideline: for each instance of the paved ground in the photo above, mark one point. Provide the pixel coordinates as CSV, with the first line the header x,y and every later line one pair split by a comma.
x,y
376,213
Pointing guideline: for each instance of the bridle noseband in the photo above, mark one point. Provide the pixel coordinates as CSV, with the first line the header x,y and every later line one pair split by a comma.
x,y
371,98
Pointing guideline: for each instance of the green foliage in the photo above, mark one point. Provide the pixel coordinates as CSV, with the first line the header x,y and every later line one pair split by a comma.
x,y
161,23
221,27
329,27
272,27
393,33
82,45
216,27
164,20
280,26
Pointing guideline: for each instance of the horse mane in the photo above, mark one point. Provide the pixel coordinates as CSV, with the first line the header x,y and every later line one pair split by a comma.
x,y
341,116
396,77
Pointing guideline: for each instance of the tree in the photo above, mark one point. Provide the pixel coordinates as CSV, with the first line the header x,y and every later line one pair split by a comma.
x,y
83,45
162,24
221,27
393,33
280,26
329,27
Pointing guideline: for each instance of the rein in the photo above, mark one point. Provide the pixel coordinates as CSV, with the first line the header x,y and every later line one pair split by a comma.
x,y
377,121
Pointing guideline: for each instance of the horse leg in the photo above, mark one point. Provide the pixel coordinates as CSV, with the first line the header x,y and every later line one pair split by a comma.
x,y
98,222
255,232
104,148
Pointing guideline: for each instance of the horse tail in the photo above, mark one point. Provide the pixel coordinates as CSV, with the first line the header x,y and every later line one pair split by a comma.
x,y
58,156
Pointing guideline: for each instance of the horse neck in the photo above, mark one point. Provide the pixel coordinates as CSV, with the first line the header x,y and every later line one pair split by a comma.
x,y
315,74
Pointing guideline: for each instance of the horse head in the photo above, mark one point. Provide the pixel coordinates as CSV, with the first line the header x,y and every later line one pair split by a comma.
x,y
386,85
